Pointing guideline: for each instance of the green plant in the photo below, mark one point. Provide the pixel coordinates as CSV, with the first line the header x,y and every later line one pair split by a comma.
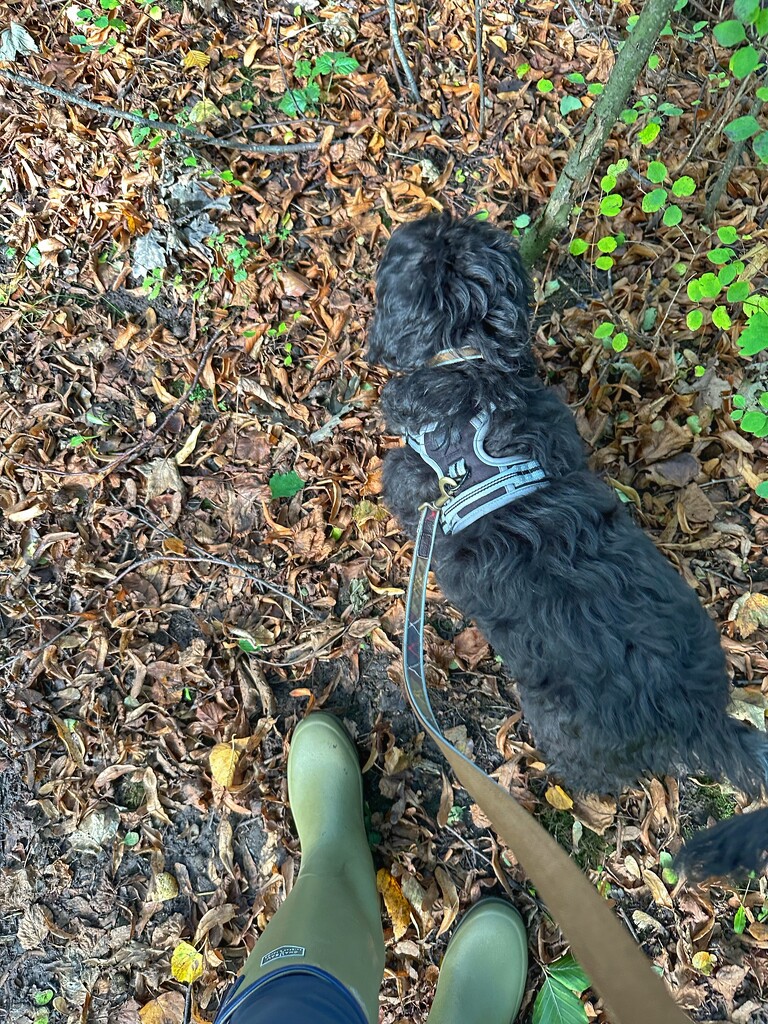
x,y
752,417
42,999
304,100
605,332
143,134
103,21
153,282
558,998
285,485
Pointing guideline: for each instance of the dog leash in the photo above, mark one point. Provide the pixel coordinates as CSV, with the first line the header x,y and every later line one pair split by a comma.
x,y
619,971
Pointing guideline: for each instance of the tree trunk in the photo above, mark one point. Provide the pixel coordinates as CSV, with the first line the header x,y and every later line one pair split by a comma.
x,y
631,60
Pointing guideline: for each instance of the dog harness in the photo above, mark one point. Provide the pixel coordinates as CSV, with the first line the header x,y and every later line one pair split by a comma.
x,y
472,482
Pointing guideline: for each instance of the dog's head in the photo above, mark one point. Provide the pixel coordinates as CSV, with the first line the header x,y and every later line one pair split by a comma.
x,y
443,284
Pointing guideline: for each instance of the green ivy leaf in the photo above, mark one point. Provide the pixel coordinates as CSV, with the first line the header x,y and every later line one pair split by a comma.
x,y
720,256
742,128
654,201
744,61
608,183
738,291
607,244
695,294
611,205
728,273
649,133
605,330
657,171
44,997
684,186
578,246
672,216
754,337
544,85
620,342
285,485
604,262
729,33
568,104
728,234
720,318
653,61
760,146
694,320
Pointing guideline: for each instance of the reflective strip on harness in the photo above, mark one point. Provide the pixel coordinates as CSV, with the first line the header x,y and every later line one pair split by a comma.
x,y
483,484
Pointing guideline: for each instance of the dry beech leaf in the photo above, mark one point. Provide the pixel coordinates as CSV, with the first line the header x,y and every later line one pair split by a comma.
x,y
33,928
450,899
598,813
749,612
446,801
186,963
398,907
166,1009
557,797
658,890
758,930
223,759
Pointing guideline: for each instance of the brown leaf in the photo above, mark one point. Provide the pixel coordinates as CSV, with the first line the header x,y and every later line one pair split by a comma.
x,y
162,475
397,905
471,646
33,928
749,612
694,509
168,1008
596,812
658,890
450,899
446,801
678,471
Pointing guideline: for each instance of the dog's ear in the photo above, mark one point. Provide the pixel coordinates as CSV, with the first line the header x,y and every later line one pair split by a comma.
x,y
443,284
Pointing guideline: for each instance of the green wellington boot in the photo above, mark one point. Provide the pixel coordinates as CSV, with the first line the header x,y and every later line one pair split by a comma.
x,y
482,977
331,918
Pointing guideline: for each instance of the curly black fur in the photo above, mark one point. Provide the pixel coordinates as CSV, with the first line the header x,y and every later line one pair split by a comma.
x,y
620,669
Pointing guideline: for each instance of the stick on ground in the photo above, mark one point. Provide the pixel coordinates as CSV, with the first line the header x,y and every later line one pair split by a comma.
x,y
395,35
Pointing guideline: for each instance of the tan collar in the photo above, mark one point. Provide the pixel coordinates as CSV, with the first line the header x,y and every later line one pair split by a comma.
x,y
454,355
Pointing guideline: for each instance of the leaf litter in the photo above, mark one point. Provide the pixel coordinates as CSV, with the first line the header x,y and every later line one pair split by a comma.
x,y
166,620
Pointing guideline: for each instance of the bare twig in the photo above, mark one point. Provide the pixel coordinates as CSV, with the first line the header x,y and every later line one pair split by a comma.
x,y
734,155
166,126
395,35
141,445
479,59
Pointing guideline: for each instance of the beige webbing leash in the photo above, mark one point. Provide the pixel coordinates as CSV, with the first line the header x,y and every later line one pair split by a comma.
x,y
617,968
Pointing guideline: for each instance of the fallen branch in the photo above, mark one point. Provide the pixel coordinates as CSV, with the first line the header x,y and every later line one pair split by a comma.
x,y
275,149
734,155
630,61
395,36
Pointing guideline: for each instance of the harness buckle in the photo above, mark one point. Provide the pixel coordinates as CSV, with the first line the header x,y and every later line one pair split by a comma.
x,y
448,488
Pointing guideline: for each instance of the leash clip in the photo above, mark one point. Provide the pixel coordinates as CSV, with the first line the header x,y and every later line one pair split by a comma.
x,y
448,488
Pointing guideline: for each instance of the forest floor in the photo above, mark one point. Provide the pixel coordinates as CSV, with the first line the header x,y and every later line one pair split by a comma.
x,y
193,551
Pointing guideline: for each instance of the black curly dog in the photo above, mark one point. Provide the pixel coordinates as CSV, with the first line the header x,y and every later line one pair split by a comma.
x,y
620,670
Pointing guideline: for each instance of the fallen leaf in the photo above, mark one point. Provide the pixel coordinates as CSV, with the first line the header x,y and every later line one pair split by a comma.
x,y
397,905
162,475
33,928
195,59
749,612
223,760
168,1008
758,930
186,963
598,813
15,42
450,899
678,471
189,446
704,963
471,646
557,797
165,887
658,890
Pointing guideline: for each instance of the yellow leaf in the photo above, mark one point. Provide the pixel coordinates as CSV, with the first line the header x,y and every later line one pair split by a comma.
x,y
223,760
749,612
557,797
165,888
203,111
500,41
703,962
658,890
196,59
186,963
397,905
189,446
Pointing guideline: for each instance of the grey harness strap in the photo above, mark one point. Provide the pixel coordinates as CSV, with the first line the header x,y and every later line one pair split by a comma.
x,y
472,482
